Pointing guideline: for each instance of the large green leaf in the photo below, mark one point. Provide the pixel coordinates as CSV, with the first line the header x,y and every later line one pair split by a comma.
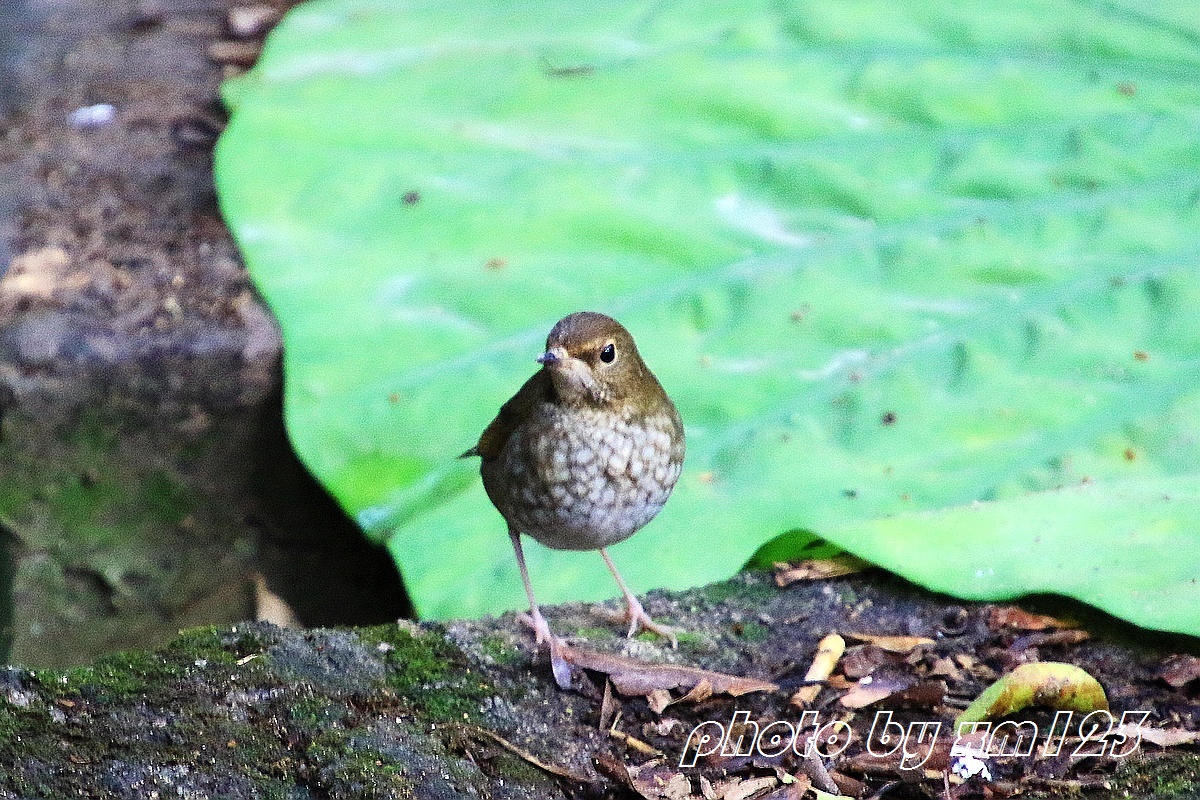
x,y
1146,529
887,257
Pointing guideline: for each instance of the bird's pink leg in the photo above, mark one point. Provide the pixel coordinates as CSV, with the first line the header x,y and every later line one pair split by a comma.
x,y
558,665
635,615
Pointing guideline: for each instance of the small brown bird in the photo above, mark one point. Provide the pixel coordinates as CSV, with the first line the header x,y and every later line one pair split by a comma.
x,y
585,454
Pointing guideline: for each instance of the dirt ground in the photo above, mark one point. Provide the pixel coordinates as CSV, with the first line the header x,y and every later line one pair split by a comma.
x,y
146,483
471,710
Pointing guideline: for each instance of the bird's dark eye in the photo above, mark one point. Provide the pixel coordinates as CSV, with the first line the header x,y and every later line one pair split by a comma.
x,y
609,353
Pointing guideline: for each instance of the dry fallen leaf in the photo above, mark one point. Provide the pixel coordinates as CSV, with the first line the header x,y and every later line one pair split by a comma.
x,y
699,693
659,699
893,644
633,743
1022,620
739,789
483,733
900,758
270,607
814,569
898,690
793,789
1163,737
863,659
630,677
925,694
945,668
864,694
1063,637
847,786
663,727
608,706
1180,670
654,780
840,682
829,650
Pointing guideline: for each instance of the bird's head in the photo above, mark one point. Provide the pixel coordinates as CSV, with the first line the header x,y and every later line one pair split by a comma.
x,y
593,361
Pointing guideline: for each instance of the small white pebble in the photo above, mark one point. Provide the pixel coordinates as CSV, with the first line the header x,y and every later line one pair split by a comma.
x,y
89,118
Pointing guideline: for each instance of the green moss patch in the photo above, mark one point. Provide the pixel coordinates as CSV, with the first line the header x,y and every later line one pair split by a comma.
x,y
430,673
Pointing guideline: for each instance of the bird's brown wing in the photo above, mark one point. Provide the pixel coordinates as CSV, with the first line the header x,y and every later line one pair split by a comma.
x,y
538,389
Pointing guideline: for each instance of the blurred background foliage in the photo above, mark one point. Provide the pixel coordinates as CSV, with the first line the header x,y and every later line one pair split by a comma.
x,y
921,277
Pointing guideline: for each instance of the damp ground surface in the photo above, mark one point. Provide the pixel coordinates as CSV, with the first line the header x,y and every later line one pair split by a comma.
x,y
470,709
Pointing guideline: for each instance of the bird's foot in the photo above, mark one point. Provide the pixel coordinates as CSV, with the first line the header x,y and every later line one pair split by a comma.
x,y
562,669
540,627
638,619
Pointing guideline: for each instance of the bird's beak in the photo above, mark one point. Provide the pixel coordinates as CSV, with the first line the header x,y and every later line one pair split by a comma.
x,y
551,357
